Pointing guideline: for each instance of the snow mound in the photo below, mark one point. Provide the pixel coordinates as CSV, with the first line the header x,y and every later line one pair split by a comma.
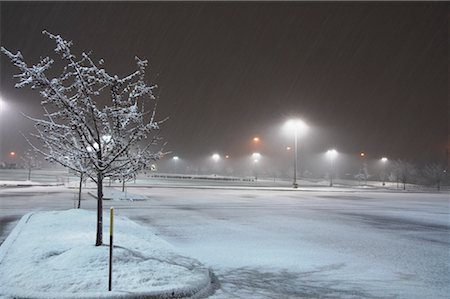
x,y
52,255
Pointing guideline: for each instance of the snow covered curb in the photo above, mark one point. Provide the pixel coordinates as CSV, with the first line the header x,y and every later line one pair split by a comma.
x,y
51,255
9,241
21,184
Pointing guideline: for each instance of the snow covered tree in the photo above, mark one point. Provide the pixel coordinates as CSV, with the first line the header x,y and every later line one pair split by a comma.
x,y
435,173
80,133
404,171
30,161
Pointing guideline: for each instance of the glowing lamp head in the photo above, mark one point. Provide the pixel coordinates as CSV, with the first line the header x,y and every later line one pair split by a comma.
x,y
12,154
256,157
384,159
216,157
362,154
256,139
296,126
175,158
332,154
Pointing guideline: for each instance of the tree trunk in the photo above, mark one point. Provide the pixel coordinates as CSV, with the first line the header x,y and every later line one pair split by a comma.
x,y
439,185
99,240
29,173
79,190
123,185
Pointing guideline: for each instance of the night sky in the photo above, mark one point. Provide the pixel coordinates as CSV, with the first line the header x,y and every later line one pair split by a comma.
x,y
367,77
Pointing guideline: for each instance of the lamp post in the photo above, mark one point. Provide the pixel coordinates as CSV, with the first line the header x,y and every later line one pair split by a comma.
x,y
362,169
256,157
331,154
297,127
384,161
216,158
175,162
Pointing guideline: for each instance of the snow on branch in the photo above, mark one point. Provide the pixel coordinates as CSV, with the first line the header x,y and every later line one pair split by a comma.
x,y
78,130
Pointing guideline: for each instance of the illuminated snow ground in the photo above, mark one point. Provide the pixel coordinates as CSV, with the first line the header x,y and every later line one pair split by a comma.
x,y
288,244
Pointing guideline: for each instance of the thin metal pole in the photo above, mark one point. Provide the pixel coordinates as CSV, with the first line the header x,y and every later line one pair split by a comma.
x,y
331,172
295,185
111,219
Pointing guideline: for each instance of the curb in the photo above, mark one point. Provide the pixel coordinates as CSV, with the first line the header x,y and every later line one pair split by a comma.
x,y
9,241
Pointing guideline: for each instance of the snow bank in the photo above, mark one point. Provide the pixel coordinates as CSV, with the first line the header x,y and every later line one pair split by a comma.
x,y
114,194
52,255
20,183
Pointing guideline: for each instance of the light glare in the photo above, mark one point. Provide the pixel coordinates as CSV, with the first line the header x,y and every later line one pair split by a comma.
x,y
296,126
331,154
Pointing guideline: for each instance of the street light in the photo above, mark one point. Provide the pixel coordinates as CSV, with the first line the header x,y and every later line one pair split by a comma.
x,y
256,157
175,161
384,161
216,157
362,171
296,127
331,155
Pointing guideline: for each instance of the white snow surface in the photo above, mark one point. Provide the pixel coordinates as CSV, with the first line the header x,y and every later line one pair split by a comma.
x,y
303,243
52,255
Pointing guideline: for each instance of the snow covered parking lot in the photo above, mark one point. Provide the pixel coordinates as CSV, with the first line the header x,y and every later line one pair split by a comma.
x,y
288,244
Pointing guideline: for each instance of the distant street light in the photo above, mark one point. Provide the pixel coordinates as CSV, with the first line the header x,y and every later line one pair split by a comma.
x,y
175,160
256,157
12,154
296,126
216,158
362,171
331,155
256,139
384,160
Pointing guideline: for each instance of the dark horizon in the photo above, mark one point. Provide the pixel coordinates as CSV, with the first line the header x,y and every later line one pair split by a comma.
x,y
369,77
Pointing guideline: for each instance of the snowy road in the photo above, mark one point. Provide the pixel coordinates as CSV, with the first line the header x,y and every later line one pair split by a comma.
x,y
288,244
